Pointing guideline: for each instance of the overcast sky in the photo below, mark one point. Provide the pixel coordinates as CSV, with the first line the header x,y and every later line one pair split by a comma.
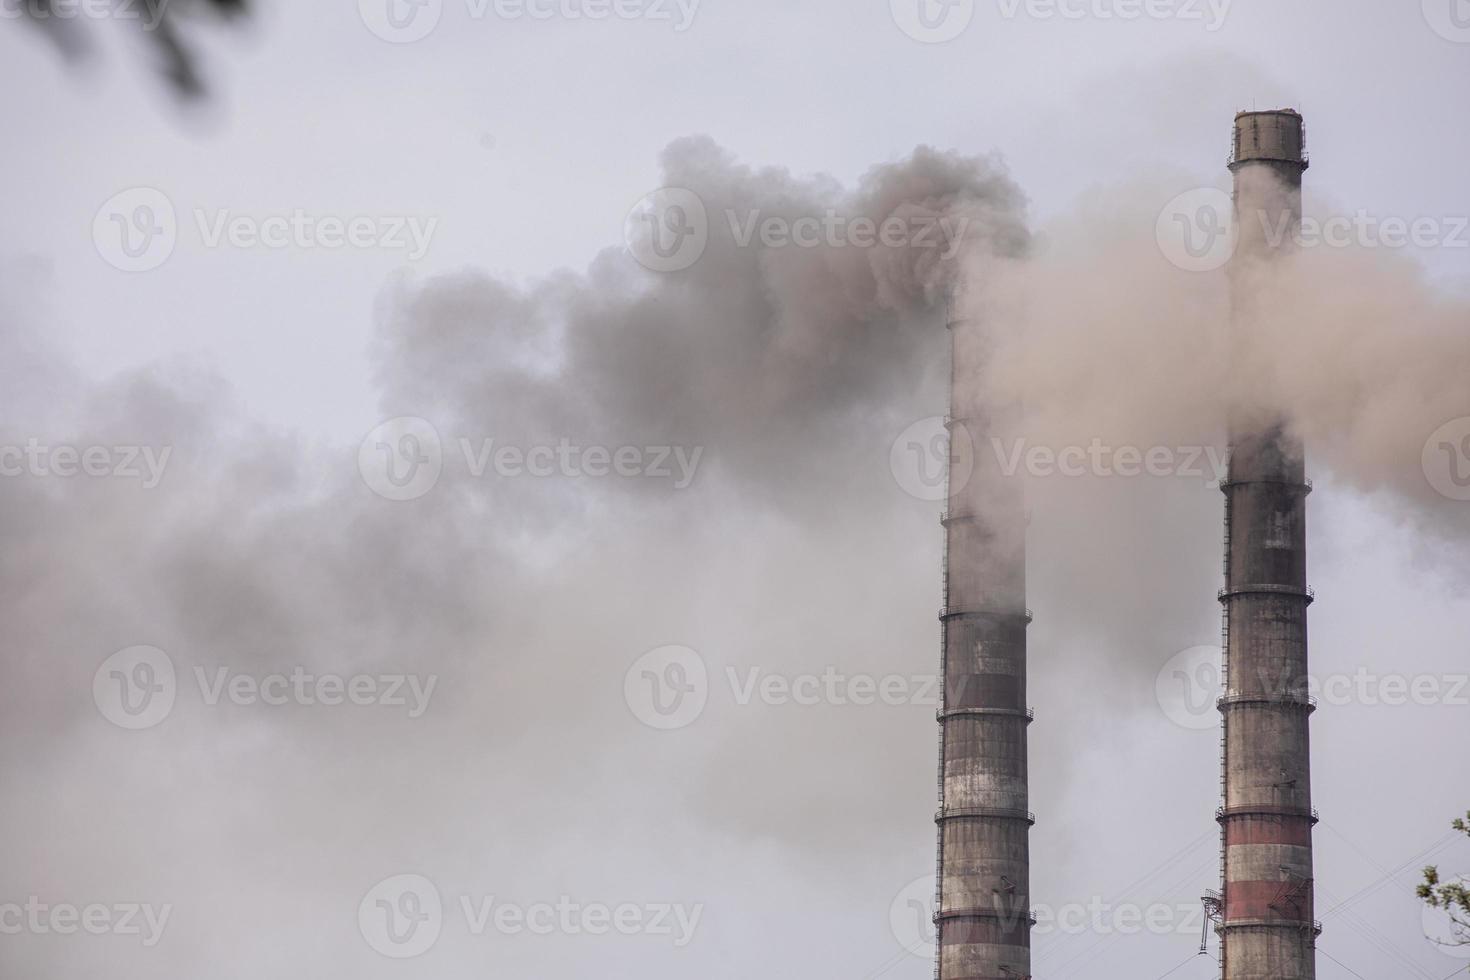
x,y
772,525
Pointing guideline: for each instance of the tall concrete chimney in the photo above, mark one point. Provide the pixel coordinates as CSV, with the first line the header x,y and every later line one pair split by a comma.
x,y
983,886
1266,925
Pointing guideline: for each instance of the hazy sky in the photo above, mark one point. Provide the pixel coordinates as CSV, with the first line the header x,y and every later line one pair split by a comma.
x,y
789,836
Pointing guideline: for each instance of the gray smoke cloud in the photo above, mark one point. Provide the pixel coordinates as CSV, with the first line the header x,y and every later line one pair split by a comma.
x,y
1359,349
793,550
526,600
781,361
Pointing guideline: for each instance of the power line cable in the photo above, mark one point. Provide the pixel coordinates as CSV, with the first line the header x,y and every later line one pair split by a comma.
x,y
1341,963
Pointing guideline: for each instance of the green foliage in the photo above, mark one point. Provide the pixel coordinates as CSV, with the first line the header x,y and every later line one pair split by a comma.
x,y
1453,897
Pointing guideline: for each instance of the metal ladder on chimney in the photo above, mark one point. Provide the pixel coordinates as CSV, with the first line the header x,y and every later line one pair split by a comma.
x,y
943,664
1224,689
943,701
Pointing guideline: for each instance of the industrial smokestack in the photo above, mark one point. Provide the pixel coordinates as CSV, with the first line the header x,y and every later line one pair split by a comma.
x,y
1266,925
984,874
